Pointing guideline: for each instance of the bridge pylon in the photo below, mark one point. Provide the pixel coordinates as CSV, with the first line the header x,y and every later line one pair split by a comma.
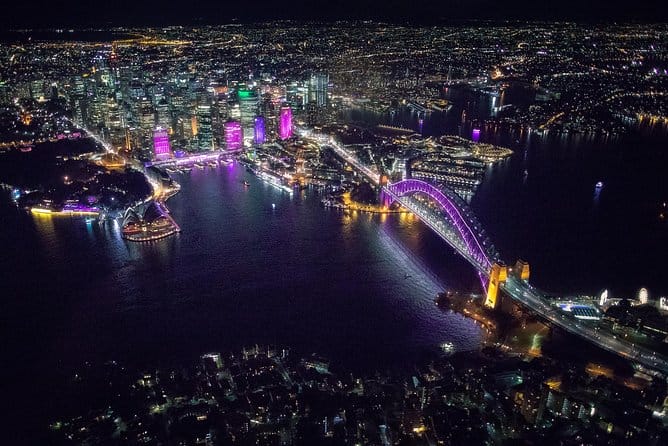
x,y
497,275
521,270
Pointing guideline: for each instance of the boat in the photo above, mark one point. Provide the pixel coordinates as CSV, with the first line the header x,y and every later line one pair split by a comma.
x,y
440,105
246,184
448,348
599,185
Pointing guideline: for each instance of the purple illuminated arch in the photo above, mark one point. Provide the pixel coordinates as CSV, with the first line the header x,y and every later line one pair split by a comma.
x,y
457,212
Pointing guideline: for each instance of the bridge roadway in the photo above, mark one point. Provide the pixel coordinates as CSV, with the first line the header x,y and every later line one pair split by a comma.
x,y
532,298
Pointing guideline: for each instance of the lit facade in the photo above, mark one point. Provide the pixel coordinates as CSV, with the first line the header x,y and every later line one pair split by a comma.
x,y
161,149
259,130
204,130
285,124
234,136
248,109
317,89
248,103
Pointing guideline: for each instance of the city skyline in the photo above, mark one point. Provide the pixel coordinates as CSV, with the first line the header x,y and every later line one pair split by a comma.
x,y
45,14
342,232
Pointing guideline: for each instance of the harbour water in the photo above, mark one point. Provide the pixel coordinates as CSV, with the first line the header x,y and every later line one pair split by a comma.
x,y
255,265
355,287
542,204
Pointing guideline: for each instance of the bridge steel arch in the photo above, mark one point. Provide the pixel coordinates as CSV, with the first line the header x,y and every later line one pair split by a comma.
x,y
459,215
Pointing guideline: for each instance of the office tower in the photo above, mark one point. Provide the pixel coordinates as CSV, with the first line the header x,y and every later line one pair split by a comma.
x,y
248,103
164,114
233,136
248,109
260,136
285,124
204,130
161,148
317,89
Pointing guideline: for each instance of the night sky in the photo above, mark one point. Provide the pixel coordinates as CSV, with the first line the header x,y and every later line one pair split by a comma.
x,y
46,13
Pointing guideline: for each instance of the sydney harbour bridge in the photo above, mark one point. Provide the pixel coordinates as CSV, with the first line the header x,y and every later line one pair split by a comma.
x,y
445,213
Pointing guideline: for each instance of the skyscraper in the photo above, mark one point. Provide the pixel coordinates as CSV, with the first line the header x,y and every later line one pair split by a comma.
x,y
161,149
260,136
234,136
285,124
248,105
204,131
317,89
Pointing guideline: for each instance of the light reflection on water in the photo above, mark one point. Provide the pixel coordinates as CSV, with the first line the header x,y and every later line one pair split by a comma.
x,y
356,287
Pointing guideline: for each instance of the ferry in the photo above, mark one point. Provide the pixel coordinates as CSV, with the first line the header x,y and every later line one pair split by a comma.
x,y
275,181
440,105
246,184
448,348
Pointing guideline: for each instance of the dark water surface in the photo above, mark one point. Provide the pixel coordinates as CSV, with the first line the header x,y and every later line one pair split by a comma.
x,y
356,288
542,204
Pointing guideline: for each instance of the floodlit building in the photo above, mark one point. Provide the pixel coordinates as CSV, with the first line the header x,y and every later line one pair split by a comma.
x,y
161,149
259,130
234,136
285,124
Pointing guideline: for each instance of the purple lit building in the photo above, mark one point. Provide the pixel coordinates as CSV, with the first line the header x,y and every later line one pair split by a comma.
x,y
234,136
260,136
161,148
285,125
475,135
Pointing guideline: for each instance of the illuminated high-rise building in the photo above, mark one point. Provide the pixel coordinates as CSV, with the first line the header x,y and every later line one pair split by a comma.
x,y
248,103
318,86
294,94
164,117
234,136
259,130
285,124
248,109
204,130
161,149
